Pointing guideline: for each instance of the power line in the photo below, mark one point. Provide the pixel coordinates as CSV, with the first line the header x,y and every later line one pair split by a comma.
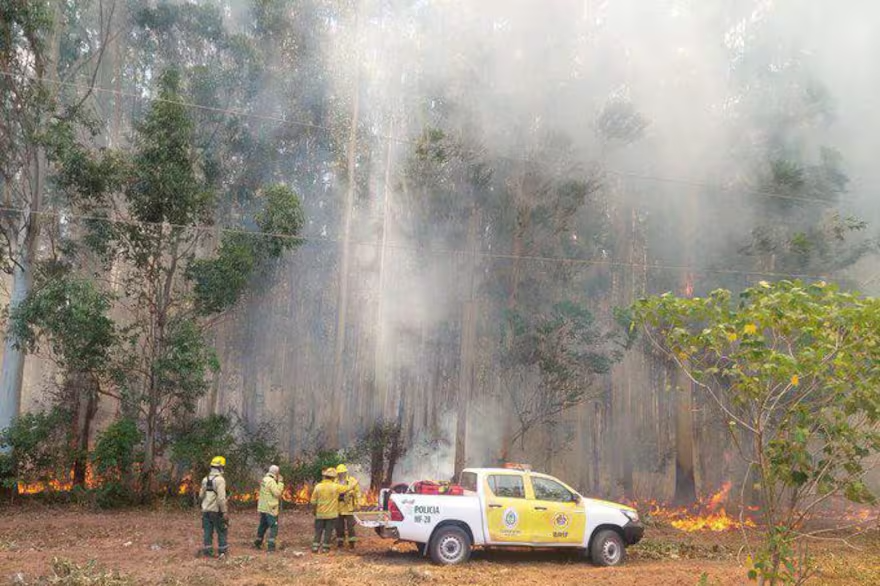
x,y
401,140
316,239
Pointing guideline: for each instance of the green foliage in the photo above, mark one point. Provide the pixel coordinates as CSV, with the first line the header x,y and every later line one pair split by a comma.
x,y
165,186
35,449
196,443
84,176
181,370
799,232
781,560
71,315
219,282
248,452
282,219
307,469
567,348
118,450
796,370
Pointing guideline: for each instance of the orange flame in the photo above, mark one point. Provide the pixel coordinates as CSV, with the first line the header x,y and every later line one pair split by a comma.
x,y
371,498
246,497
56,485
719,498
302,495
689,286
186,486
706,515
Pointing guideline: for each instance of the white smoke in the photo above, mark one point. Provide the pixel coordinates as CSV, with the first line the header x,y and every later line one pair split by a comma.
x,y
431,456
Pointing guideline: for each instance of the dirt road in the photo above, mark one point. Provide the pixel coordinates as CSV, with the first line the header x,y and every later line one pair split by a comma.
x,y
158,547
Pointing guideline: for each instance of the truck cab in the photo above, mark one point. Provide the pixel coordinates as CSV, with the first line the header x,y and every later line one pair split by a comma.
x,y
510,506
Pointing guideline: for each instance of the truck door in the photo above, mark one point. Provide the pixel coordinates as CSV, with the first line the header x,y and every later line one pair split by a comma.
x,y
507,509
559,514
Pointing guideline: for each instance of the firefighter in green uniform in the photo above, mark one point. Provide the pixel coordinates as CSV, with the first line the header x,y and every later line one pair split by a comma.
x,y
348,504
325,500
271,489
215,519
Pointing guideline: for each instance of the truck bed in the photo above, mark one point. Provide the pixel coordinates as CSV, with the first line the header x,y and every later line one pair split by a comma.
x,y
422,513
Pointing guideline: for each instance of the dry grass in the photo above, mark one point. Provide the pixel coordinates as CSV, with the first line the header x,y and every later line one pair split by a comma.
x,y
80,548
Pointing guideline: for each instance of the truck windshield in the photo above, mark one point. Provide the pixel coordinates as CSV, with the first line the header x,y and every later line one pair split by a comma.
x,y
507,486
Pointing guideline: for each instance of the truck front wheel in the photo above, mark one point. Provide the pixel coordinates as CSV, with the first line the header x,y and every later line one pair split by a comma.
x,y
607,548
450,545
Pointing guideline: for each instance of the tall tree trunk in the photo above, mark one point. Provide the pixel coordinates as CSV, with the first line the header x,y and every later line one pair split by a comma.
x,y
83,389
337,394
685,480
12,373
467,349
27,234
380,405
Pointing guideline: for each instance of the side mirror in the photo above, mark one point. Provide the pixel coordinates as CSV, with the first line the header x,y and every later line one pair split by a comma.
x,y
576,498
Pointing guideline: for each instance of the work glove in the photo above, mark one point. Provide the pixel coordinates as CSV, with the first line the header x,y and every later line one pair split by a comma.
x,y
224,520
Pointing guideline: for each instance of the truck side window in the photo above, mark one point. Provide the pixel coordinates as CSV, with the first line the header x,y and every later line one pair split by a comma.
x,y
507,486
548,490
469,481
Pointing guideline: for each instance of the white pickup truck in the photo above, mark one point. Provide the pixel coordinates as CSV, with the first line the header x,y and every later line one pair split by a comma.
x,y
512,507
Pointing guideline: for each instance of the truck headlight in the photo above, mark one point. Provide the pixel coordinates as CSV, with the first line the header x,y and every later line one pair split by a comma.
x,y
631,515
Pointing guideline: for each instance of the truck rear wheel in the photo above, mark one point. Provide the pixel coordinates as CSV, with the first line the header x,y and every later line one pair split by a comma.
x,y
450,545
607,548
421,548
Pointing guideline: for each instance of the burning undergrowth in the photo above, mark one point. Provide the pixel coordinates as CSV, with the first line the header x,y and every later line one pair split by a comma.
x,y
711,514
707,514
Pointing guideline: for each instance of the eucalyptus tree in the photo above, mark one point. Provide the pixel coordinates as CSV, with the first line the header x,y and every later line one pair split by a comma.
x,y
47,49
149,213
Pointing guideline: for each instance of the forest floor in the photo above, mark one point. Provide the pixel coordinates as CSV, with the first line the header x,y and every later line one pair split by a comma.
x,y
73,547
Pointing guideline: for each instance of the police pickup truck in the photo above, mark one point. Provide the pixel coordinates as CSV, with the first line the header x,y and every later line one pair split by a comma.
x,y
507,507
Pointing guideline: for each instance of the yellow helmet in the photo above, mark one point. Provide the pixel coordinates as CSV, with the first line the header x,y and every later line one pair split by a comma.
x,y
218,462
329,473
341,469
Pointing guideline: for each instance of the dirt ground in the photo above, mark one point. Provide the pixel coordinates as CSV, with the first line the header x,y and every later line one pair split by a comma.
x,y
38,544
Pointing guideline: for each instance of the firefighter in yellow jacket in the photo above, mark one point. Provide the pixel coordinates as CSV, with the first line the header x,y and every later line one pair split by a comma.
x,y
325,500
269,505
349,500
212,494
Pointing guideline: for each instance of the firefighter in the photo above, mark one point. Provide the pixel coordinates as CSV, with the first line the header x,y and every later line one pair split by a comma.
x,y
215,517
271,489
348,503
325,500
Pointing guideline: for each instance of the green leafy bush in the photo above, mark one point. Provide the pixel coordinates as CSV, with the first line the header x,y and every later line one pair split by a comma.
x,y
117,452
35,450
248,452
307,469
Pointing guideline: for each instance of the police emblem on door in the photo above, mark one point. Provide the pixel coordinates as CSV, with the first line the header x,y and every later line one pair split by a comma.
x,y
510,519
